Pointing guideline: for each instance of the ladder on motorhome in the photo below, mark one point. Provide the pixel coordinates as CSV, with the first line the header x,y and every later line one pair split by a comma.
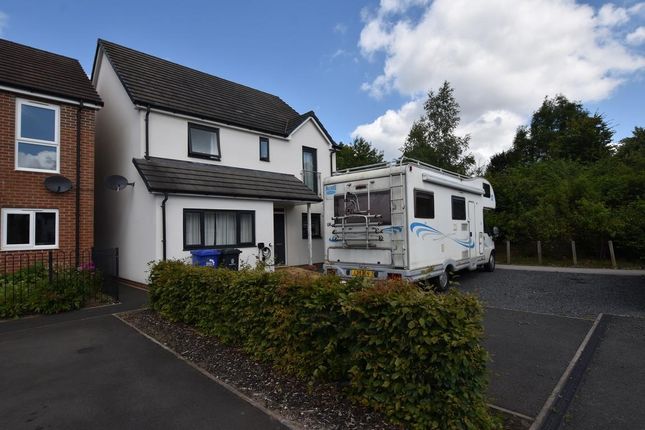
x,y
398,218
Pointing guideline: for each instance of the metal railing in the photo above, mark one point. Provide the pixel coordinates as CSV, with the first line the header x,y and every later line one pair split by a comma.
x,y
55,280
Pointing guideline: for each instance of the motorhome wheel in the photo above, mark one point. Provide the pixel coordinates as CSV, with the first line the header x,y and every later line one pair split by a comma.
x,y
490,266
442,282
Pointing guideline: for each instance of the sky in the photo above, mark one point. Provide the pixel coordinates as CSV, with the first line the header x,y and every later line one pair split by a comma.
x,y
365,67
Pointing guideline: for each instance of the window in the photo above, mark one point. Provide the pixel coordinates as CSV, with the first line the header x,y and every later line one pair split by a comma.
x,y
310,168
458,208
315,226
203,142
211,228
486,190
37,136
24,229
357,203
264,149
423,204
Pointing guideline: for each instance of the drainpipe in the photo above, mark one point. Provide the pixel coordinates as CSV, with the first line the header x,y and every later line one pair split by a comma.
x,y
163,223
309,240
79,114
147,156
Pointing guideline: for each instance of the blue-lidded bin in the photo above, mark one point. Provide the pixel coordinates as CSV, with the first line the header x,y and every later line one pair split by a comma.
x,y
206,257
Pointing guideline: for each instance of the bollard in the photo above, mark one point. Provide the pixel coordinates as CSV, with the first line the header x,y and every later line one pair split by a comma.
x,y
508,252
612,255
573,252
539,250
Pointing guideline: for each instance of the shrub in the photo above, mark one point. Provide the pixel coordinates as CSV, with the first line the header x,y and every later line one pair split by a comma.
x,y
413,355
30,291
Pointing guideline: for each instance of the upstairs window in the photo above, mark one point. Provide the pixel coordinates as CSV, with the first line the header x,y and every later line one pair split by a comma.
x,y
310,168
458,208
203,142
264,149
37,136
24,229
423,204
315,226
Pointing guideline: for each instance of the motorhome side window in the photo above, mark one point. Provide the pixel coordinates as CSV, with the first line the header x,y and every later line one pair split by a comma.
x,y
423,204
357,204
486,190
211,228
458,208
203,142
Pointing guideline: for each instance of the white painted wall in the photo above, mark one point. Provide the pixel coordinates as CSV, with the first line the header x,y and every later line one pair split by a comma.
x,y
169,139
123,219
131,219
175,215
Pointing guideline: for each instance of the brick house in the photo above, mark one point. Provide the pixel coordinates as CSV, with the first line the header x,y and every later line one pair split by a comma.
x,y
47,115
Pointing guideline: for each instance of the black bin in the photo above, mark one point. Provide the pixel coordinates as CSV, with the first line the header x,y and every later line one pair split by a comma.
x,y
230,258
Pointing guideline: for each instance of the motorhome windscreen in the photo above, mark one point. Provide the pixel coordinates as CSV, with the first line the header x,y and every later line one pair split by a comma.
x,y
357,204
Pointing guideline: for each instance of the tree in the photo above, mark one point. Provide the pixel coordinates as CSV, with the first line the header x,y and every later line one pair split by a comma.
x,y
634,146
358,153
432,137
560,130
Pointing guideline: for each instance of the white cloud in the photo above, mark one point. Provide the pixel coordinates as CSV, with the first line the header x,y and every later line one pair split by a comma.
x,y
4,20
501,56
340,28
636,37
389,130
41,160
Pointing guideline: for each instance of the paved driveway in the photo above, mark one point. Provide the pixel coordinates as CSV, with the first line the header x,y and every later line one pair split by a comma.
x,y
99,373
534,323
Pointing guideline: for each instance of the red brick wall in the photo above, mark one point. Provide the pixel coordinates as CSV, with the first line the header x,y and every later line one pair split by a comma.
x,y
20,189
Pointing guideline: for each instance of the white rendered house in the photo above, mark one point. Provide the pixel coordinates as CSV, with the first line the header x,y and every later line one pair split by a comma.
x,y
215,164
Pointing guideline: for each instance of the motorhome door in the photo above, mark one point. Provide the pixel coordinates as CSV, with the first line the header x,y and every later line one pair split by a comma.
x,y
472,229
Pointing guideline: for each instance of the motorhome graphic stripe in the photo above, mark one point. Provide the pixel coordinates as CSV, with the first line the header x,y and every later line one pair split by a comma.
x,y
424,230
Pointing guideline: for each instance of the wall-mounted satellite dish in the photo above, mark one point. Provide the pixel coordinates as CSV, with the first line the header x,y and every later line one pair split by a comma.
x,y
117,182
58,184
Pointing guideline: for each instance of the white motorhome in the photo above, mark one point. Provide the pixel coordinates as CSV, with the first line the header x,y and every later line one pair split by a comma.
x,y
406,219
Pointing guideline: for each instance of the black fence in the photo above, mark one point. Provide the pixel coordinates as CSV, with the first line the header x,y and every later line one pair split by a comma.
x,y
55,280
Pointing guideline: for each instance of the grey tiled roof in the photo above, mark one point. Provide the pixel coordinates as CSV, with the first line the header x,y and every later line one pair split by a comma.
x,y
162,84
187,177
26,68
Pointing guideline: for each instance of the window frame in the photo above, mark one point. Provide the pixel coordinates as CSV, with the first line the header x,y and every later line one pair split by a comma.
x,y
417,192
203,155
314,152
202,217
32,229
487,190
30,140
454,199
313,222
268,157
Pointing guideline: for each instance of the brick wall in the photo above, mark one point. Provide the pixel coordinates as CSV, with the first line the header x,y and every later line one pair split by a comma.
x,y
19,189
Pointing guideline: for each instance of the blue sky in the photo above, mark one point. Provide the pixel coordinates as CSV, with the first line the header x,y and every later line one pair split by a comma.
x,y
365,66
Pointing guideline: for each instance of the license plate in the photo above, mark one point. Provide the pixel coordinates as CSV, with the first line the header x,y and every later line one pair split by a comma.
x,y
363,273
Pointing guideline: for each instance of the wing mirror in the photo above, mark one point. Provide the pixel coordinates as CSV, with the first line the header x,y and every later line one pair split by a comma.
x,y
495,232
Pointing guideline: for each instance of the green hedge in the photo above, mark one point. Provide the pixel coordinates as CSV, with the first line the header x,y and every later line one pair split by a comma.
x,y
30,291
413,355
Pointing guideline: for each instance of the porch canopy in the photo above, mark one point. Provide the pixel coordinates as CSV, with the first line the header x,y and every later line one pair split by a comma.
x,y
162,175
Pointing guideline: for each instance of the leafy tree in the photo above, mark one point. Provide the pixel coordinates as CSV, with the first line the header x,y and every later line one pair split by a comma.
x,y
358,153
560,130
633,146
432,138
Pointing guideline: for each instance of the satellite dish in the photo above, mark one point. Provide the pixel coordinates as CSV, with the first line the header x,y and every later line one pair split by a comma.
x,y
117,182
58,184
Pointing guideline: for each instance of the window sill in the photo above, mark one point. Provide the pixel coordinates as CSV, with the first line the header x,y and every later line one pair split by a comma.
x,y
205,156
28,248
26,169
